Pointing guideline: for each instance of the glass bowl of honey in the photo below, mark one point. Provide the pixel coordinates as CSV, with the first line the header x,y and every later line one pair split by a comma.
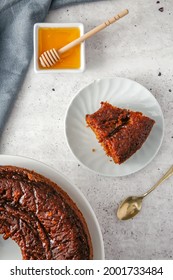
x,y
57,35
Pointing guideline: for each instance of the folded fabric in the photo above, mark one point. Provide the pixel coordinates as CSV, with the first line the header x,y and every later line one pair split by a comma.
x,y
17,18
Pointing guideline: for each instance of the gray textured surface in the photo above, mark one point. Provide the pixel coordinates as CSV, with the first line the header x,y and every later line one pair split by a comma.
x,y
138,47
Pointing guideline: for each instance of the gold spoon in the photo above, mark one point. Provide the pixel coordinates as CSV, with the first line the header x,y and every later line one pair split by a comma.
x,y
132,205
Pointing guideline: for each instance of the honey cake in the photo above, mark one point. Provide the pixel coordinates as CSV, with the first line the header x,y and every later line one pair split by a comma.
x,y
121,132
41,218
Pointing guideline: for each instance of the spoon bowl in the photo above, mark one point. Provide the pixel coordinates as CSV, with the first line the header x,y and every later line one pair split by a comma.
x,y
129,207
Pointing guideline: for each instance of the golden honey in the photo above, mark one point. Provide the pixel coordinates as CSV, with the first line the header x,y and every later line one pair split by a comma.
x,y
58,37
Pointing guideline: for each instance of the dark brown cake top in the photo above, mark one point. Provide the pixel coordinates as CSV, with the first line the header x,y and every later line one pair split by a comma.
x,y
107,119
40,217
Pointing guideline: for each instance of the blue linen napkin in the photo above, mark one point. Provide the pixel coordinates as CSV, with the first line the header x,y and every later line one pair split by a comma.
x,y
17,18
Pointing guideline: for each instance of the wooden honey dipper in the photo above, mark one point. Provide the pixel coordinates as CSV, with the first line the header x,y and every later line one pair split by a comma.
x,y
51,57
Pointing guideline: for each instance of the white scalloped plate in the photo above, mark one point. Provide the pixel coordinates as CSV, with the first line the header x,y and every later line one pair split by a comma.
x,y
123,93
9,249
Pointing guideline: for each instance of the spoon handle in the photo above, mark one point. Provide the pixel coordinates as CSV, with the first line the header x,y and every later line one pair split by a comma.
x,y
166,176
92,32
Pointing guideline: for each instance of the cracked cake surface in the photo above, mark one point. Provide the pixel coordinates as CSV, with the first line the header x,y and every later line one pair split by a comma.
x,y
121,132
41,218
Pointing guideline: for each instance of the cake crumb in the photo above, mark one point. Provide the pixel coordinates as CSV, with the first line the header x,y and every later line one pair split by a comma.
x,y
170,90
159,74
93,150
161,9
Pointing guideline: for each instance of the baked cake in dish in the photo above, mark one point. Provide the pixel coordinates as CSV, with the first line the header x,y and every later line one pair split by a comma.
x,y
41,218
121,132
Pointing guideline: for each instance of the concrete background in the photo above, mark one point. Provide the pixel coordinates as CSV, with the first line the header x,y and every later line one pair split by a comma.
x,y
138,47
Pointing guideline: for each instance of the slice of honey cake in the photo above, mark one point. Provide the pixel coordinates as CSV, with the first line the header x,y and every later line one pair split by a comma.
x,y
121,132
